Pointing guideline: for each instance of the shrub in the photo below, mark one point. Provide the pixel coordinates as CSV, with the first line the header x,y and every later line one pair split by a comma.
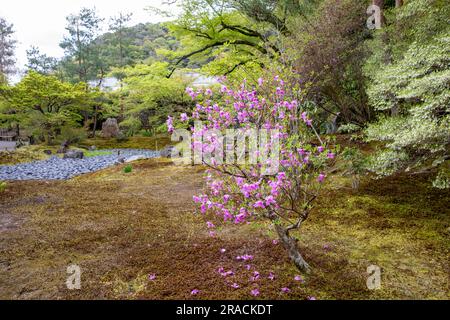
x,y
3,185
128,169
243,193
415,92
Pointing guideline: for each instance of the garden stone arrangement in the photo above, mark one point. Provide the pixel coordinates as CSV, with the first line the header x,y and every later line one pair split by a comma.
x,y
56,168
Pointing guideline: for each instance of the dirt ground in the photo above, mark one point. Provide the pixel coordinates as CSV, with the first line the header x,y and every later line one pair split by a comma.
x,y
120,228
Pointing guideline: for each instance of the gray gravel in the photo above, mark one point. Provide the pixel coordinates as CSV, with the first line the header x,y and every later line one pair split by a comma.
x,y
56,168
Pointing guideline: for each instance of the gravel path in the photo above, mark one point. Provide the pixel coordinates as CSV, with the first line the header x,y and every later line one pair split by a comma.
x,y
56,168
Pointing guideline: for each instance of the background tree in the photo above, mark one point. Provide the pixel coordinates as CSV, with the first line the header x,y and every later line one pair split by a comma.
x,y
149,97
82,30
7,46
328,52
40,62
236,33
46,106
412,94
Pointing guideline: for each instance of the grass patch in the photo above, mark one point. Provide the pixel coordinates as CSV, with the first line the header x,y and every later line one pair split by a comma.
x,y
137,142
90,154
128,169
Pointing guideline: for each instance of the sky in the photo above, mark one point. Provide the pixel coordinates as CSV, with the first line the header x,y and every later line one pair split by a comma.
x,y
42,22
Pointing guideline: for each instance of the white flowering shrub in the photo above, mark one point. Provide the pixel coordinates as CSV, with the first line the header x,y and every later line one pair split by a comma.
x,y
412,96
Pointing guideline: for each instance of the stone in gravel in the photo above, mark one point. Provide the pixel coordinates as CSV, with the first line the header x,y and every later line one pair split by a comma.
x,y
92,148
48,152
167,152
74,154
64,147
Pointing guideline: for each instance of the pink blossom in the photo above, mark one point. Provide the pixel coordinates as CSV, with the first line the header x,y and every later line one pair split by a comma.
x,y
260,81
271,276
226,274
184,117
321,178
320,149
195,292
331,155
245,257
210,225
285,290
170,127
275,242
298,278
259,204
255,292
256,276
270,201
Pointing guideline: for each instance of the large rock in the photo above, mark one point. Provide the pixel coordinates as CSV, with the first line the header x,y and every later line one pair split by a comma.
x,y
74,154
64,147
168,151
110,128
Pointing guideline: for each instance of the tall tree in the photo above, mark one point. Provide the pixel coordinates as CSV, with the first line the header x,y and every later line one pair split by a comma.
x,y
40,62
82,30
7,46
120,40
236,33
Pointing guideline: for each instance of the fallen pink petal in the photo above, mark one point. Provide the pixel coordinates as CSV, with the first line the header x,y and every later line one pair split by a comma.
x,y
195,292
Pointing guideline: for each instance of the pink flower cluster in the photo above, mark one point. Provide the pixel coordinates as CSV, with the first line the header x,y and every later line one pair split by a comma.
x,y
241,192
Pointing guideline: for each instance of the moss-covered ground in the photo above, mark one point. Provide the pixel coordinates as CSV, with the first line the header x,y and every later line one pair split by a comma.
x,y
120,228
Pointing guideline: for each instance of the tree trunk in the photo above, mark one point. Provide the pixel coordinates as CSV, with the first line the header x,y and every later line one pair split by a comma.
x,y
94,129
398,3
290,244
380,3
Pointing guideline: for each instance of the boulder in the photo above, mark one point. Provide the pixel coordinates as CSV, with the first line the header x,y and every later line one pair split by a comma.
x,y
64,147
121,160
73,154
110,128
167,152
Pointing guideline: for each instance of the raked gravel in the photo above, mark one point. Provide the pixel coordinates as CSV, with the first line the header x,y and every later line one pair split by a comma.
x,y
56,168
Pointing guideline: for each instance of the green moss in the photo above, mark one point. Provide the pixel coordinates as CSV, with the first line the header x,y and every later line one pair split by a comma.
x,y
89,154
137,142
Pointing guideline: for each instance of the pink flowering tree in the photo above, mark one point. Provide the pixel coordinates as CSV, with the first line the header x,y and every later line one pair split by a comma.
x,y
239,187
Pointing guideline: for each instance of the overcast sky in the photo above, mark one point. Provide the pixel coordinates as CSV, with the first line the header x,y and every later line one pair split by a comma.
x,y
42,22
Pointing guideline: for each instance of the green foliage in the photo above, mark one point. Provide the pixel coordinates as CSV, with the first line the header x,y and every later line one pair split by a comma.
x,y
72,134
231,36
327,51
413,96
40,62
149,97
349,128
7,47
45,105
128,169
3,186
